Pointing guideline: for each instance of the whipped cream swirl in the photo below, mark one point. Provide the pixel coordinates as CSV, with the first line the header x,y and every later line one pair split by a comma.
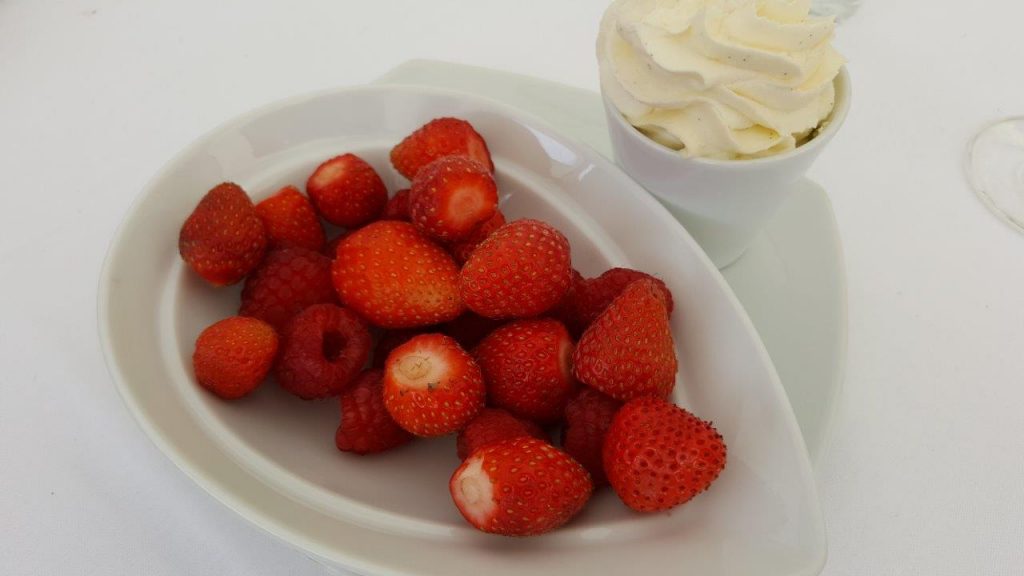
x,y
726,79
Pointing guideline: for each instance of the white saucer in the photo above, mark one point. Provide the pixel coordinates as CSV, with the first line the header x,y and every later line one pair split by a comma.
x,y
792,281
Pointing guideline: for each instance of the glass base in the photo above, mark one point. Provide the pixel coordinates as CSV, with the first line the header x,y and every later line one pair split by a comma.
x,y
995,169
841,9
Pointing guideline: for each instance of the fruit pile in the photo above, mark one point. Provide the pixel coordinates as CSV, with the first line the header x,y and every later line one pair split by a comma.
x,y
432,315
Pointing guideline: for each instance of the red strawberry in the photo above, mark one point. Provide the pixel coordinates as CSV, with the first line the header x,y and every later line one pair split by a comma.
x,y
469,329
392,339
587,418
658,455
438,138
577,279
347,191
366,427
323,348
521,270
526,366
397,207
462,249
628,350
451,196
432,386
223,239
291,221
566,309
597,293
493,425
288,282
603,289
234,355
395,277
520,487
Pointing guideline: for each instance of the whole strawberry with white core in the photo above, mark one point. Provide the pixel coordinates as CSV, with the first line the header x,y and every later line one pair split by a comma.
x,y
520,487
432,386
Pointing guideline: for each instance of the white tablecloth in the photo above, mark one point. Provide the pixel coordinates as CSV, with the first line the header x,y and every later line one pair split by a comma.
x,y
925,474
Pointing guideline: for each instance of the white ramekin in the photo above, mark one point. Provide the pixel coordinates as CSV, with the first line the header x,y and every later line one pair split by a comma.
x,y
724,204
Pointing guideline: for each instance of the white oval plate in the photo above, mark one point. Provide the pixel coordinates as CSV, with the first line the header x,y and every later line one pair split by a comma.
x,y
271,457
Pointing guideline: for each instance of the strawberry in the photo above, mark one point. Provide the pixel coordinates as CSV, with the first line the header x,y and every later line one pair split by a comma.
x,y
395,277
628,350
438,138
658,456
606,287
587,418
526,366
493,425
223,239
566,309
451,197
291,221
469,329
397,207
233,356
520,270
366,427
597,293
462,249
432,386
286,283
520,487
347,191
323,348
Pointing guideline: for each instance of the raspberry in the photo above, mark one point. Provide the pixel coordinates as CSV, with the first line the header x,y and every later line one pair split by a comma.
x,y
322,350
288,282
366,427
